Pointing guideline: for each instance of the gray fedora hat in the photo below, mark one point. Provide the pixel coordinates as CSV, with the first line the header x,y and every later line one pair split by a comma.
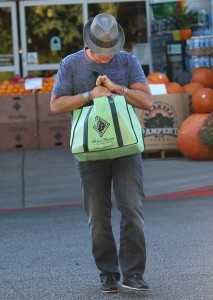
x,y
103,35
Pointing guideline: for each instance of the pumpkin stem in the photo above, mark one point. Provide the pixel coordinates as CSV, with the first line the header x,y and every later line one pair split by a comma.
x,y
206,131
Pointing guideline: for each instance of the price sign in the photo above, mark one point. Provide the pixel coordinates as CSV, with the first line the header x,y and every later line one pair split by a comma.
x,y
33,84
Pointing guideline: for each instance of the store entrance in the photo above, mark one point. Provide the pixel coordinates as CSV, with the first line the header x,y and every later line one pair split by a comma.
x,y
49,32
35,35
44,35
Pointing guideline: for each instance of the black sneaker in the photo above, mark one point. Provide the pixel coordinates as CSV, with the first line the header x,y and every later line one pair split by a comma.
x,y
135,282
109,284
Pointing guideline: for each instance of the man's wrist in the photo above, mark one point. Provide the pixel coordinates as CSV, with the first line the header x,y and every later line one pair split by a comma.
x,y
121,90
86,96
125,89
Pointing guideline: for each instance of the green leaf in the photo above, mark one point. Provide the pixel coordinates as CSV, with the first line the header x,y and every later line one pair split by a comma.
x,y
206,131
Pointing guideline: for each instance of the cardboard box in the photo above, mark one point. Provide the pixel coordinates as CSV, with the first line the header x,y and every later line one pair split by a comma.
x,y
17,108
14,136
161,123
54,134
44,111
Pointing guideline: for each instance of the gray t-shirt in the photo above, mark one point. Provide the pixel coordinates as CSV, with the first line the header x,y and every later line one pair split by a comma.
x,y
75,74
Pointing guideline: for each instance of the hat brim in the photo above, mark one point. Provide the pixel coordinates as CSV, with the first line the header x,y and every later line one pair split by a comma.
x,y
99,50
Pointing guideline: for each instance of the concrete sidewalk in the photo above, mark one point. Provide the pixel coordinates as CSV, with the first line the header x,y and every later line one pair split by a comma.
x,y
47,178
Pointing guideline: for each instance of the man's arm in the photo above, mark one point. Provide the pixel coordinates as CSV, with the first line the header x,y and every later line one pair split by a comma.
x,y
138,94
61,104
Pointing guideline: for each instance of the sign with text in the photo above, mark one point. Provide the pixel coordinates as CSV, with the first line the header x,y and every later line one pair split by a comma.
x,y
6,60
162,121
33,84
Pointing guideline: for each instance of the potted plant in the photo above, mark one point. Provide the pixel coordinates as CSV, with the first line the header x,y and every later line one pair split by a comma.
x,y
183,21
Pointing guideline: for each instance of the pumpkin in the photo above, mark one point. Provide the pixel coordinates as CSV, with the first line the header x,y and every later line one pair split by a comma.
x,y
188,140
190,88
158,77
204,76
202,100
174,88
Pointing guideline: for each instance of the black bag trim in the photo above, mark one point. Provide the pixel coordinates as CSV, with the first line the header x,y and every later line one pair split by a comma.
x,y
85,136
115,121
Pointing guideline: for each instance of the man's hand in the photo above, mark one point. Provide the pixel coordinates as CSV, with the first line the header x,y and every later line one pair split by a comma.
x,y
105,81
99,91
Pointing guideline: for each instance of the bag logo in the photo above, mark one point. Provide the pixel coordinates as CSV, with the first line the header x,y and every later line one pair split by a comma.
x,y
100,126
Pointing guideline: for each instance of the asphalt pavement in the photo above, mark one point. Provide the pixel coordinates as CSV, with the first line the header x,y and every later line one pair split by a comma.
x,y
45,250
45,254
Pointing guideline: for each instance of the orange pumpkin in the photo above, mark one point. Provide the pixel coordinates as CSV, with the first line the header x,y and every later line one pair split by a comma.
x,y
204,76
202,100
174,88
190,88
188,140
157,77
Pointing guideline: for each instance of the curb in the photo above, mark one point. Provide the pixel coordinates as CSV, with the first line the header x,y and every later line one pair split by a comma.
x,y
189,193
183,194
3,210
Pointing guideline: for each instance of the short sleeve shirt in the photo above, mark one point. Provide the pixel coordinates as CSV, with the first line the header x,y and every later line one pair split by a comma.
x,y
75,74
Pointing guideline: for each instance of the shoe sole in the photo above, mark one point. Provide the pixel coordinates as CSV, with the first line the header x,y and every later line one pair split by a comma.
x,y
136,289
111,291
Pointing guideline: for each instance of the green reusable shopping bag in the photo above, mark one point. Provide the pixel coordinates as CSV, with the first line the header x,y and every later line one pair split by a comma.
x,y
105,130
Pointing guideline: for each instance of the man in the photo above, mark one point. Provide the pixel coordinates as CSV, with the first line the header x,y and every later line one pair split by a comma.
x,y
119,73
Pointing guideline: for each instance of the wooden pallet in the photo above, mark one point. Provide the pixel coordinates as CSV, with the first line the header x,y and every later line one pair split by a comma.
x,y
161,154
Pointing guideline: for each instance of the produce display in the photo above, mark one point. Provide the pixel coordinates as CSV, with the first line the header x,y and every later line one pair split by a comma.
x,y
195,136
16,85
